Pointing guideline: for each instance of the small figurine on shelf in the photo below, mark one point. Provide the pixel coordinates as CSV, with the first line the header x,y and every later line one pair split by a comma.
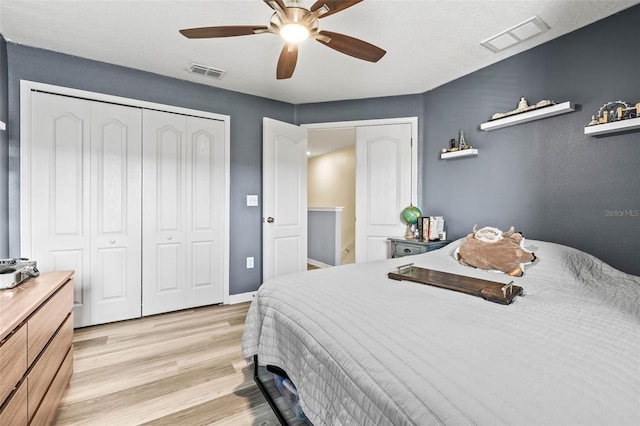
x,y
523,106
457,146
462,144
615,111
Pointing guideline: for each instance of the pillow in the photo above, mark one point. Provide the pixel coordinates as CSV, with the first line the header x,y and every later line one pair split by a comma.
x,y
491,249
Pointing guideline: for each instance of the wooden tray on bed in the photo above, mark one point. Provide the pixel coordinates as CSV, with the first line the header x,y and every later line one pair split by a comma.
x,y
489,290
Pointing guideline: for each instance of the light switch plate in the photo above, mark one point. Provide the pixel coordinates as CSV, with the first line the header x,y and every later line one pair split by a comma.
x,y
252,200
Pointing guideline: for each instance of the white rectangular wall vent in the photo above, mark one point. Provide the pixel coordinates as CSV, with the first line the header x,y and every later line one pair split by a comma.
x,y
206,71
517,34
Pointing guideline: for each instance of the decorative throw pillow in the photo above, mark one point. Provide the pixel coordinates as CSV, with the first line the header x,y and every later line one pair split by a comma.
x,y
491,249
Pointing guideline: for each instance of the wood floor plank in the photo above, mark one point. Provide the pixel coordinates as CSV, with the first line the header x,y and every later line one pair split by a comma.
x,y
180,368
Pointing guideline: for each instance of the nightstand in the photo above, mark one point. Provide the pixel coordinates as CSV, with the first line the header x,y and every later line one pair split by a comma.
x,y
401,247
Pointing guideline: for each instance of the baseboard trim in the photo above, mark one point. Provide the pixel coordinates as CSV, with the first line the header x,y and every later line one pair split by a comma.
x,y
318,263
241,298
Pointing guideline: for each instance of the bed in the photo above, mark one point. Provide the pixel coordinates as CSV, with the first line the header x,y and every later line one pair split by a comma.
x,y
364,349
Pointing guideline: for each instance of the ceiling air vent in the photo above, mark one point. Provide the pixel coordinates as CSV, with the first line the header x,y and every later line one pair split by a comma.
x,y
514,35
207,71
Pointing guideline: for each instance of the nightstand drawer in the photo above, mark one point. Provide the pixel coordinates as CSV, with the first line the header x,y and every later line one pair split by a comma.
x,y
401,249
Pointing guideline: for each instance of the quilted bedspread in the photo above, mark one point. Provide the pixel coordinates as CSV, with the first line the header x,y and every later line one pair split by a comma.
x,y
364,349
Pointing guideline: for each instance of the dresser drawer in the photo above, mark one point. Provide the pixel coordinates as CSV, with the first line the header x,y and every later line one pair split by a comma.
x,y
45,369
401,249
49,406
46,320
435,245
13,359
14,413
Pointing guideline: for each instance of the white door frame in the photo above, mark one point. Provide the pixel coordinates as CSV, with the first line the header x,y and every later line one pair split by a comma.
x,y
27,86
415,173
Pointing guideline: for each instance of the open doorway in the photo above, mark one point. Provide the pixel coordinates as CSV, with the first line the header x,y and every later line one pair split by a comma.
x,y
386,182
385,179
331,195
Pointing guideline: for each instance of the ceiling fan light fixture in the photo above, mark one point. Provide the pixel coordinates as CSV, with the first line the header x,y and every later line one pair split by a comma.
x,y
294,32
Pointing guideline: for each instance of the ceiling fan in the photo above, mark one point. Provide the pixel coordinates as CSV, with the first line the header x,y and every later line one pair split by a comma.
x,y
295,23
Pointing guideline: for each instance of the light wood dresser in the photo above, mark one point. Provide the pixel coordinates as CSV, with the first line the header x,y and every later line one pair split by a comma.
x,y
36,355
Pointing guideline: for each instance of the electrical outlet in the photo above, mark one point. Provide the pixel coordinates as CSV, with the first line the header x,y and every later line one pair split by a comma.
x,y
249,262
252,200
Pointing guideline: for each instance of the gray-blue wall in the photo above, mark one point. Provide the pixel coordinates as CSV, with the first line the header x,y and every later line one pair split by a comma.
x,y
246,114
547,178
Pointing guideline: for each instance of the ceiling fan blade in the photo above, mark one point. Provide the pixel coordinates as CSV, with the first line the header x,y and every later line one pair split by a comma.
x,y
351,46
279,2
287,61
334,6
229,31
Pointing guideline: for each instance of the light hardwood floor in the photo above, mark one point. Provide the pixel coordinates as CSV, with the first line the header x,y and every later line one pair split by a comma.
x,y
180,368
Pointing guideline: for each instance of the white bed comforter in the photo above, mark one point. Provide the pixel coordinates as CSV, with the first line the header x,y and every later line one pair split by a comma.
x,y
364,349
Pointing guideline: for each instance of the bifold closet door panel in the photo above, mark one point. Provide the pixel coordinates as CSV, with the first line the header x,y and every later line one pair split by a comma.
x,y
164,179
59,175
183,202
116,212
205,215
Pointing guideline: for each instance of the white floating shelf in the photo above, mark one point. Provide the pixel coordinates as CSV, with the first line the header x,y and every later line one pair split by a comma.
x,y
615,127
458,154
3,126
536,114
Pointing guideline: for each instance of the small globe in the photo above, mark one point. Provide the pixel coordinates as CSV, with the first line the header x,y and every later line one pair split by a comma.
x,y
411,214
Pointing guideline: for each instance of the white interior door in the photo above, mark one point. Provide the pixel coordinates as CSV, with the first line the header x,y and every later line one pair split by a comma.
x,y
383,187
284,193
116,144
183,207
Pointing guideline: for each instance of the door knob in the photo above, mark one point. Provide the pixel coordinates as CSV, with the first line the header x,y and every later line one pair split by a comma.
x,y
270,219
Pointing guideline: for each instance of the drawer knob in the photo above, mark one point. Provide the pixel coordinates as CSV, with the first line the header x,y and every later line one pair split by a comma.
x,y
112,241
407,250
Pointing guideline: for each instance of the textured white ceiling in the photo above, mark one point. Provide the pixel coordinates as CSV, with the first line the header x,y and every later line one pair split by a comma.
x,y
428,42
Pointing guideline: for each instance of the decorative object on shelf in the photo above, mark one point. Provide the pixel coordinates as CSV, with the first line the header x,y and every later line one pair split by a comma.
x,y
615,111
458,147
530,114
410,215
523,106
462,143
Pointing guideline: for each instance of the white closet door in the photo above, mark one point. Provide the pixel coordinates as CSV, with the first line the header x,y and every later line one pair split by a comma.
x,y
59,198
116,144
164,284
205,212
183,209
